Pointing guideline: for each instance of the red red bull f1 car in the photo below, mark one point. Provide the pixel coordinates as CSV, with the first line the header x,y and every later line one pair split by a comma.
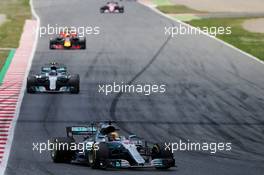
x,y
68,40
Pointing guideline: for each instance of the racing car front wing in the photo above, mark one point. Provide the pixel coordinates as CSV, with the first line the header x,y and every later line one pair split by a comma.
x,y
43,89
156,163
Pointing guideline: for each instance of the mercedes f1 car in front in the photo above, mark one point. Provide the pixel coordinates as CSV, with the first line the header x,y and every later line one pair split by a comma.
x,y
103,148
53,78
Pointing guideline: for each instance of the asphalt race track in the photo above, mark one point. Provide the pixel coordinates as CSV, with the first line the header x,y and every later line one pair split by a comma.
x,y
213,93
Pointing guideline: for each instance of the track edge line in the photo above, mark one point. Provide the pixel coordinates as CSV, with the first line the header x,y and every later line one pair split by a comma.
x,y
21,96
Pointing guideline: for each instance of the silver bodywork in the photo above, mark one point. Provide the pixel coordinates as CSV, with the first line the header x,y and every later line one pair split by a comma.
x,y
53,81
134,152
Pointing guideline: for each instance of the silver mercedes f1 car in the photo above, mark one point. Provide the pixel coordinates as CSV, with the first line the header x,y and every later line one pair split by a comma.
x,y
103,148
53,78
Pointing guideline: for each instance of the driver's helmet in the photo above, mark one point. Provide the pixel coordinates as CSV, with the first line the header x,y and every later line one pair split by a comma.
x,y
113,136
66,32
53,72
53,67
67,35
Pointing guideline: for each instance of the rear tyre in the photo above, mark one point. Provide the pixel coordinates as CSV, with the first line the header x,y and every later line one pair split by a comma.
x,y
31,84
52,42
102,10
74,84
83,43
121,10
62,154
98,158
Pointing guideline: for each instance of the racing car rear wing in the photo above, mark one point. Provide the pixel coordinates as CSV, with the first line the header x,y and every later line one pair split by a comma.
x,y
80,130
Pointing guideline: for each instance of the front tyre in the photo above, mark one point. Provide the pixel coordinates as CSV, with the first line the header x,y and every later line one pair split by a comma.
x,y
159,151
98,158
61,152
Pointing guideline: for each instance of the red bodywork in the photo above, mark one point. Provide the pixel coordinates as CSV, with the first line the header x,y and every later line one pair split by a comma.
x,y
67,39
59,46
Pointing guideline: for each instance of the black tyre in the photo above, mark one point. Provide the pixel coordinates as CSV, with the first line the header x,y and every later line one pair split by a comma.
x,y
121,9
98,158
52,42
159,151
31,81
83,43
74,84
102,10
62,154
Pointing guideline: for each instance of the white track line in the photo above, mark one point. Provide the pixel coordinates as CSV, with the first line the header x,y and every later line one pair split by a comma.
x,y
11,131
188,25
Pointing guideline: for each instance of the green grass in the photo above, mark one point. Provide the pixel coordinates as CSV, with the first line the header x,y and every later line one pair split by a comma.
x,y
249,42
252,43
162,2
174,9
16,11
3,56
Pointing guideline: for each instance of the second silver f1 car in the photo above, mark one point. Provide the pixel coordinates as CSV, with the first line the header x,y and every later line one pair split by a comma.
x,y
53,78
